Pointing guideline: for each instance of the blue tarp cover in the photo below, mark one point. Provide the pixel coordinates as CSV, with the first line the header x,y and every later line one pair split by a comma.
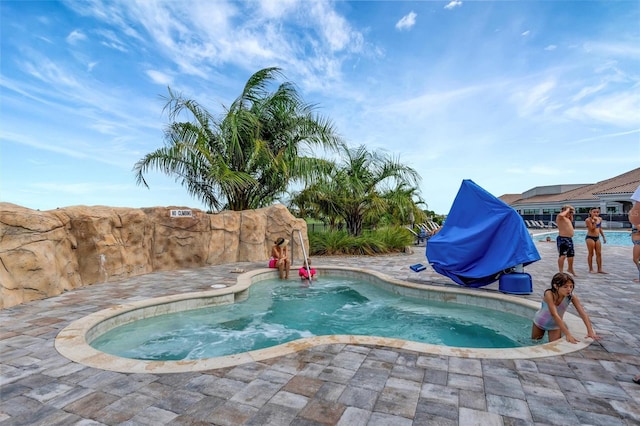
x,y
481,238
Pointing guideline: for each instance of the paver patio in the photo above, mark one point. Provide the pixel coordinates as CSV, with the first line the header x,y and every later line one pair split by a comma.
x,y
332,384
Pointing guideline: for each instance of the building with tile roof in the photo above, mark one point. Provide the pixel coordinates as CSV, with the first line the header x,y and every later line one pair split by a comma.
x,y
612,196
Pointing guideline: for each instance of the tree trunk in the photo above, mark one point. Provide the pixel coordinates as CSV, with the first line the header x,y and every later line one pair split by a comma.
x,y
354,225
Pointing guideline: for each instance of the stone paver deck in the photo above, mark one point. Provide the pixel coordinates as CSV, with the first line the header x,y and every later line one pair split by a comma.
x,y
332,384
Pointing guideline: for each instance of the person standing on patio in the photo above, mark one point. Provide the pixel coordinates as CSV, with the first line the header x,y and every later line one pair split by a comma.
x,y
594,232
634,218
564,241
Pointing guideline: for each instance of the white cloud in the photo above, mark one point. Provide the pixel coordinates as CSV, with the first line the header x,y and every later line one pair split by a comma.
x,y
407,21
91,66
426,103
159,77
81,188
619,49
525,33
619,109
602,137
551,47
49,72
208,35
41,143
538,170
534,99
272,9
453,3
587,91
75,36
334,28
112,41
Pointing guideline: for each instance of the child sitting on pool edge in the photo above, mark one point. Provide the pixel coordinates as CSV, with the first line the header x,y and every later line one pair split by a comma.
x,y
555,302
306,272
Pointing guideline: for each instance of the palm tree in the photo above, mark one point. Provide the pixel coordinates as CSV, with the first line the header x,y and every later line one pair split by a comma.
x,y
360,187
249,157
404,206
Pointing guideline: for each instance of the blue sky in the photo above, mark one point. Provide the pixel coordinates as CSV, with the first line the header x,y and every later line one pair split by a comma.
x,y
510,94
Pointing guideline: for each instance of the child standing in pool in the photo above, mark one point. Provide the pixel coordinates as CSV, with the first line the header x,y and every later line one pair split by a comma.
x,y
555,302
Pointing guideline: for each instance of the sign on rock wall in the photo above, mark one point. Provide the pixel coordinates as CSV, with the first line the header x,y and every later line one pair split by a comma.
x,y
180,213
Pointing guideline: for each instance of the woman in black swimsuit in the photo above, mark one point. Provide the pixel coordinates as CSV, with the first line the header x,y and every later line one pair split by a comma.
x,y
594,231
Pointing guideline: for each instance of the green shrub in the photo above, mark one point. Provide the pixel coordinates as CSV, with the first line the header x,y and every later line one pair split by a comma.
x,y
381,241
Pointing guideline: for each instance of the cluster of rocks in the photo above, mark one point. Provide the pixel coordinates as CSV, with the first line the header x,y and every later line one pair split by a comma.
x,y
44,253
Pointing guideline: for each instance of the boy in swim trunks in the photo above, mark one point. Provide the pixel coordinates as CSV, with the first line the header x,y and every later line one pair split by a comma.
x,y
594,231
564,241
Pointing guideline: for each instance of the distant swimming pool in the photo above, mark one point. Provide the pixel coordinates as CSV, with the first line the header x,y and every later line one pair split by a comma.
x,y
614,238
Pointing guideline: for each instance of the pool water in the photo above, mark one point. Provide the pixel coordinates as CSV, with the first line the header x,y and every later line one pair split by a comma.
x,y
277,312
614,238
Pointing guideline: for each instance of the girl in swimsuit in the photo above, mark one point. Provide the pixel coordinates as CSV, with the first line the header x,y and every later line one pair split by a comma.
x,y
555,302
594,231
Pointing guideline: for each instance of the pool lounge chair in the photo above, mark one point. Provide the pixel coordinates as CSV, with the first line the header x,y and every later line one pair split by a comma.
x,y
430,229
420,237
433,225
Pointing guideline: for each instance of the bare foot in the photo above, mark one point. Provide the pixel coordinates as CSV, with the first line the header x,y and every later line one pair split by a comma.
x,y
573,273
636,280
602,272
591,271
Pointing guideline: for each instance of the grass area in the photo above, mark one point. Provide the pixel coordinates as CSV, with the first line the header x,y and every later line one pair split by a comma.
x,y
381,241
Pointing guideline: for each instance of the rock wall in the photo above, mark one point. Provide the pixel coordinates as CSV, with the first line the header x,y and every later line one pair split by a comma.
x,y
44,253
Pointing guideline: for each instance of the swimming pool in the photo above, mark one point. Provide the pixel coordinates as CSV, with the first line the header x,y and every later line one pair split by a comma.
x,y
282,311
614,238
73,341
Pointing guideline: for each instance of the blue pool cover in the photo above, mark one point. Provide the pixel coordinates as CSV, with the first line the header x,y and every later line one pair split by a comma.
x,y
481,238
